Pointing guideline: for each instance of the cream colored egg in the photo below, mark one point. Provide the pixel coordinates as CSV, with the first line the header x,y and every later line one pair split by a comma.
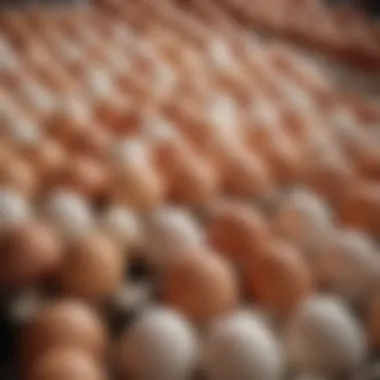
x,y
169,230
161,344
69,212
348,264
323,336
14,209
241,346
303,218
124,225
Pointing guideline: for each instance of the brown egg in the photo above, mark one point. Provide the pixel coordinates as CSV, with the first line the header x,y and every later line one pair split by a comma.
x,y
359,206
328,171
118,116
85,175
191,180
245,174
237,229
30,252
66,364
47,156
136,183
201,285
281,154
64,323
20,175
82,136
373,319
93,267
279,279
7,150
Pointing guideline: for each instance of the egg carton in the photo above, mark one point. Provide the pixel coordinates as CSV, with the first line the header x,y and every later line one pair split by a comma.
x,y
340,31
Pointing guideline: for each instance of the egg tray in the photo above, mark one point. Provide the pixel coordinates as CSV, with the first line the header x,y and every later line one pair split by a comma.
x,y
118,67
339,30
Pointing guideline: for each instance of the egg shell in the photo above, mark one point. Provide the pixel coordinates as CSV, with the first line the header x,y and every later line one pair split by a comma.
x,y
280,278
160,343
19,174
190,179
124,225
303,218
47,156
14,209
242,346
200,284
348,264
66,363
31,252
137,183
359,206
64,323
323,336
246,174
237,230
170,230
69,212
93,267
372,319
85,175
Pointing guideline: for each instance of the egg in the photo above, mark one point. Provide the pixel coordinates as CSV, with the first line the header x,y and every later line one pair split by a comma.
x,y
245,174
279,279
199,284
19,174
160,344
191,180
347,264
47,156
85,175
303,218
66,364
328,172
137,184
63,323
236,229
124,225
372,312
31,251
322,336
359,206
92,268
168,231
69,213
242,346
14,209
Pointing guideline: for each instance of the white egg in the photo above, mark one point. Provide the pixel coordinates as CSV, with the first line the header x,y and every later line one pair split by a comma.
x,y
124,225
14,209
348,263
170,230
18,127
130,152
160,345
303,218
323,337
241,346
69,212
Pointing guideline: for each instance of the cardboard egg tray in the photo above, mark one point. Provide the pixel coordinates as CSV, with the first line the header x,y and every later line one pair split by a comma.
x,y
341,31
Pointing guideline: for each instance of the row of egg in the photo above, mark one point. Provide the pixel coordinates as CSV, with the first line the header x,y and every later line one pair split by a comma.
x,y
347,33
193,278
67,339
